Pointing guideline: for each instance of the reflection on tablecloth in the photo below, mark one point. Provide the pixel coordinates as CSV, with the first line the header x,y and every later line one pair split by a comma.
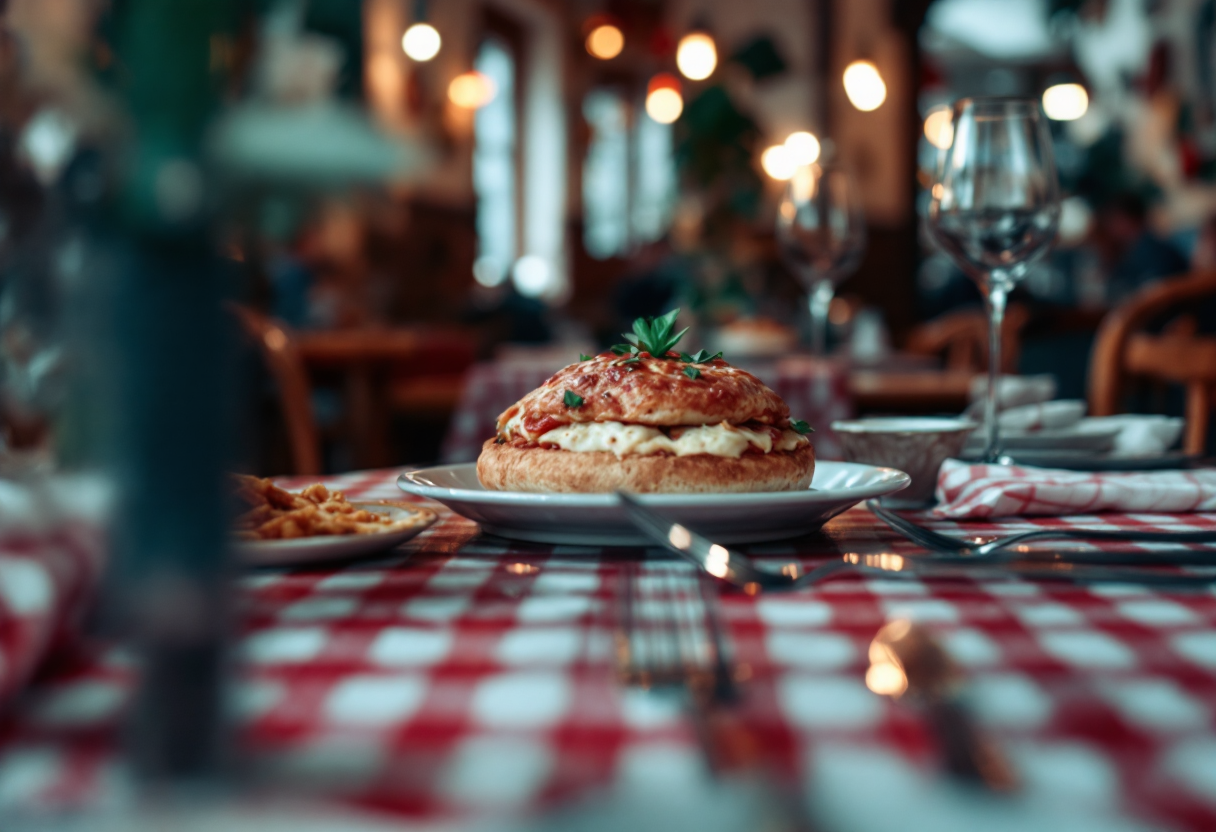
x,y
816,391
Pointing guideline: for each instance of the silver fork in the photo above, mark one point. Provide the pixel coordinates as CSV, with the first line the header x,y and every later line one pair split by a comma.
x,y
944,544
738,569
671,637
671,633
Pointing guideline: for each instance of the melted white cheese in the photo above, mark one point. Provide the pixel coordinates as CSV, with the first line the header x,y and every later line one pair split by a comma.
x,y
641,440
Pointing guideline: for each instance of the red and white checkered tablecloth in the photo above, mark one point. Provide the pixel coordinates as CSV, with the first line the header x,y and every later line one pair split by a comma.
x,y
816,391
462,675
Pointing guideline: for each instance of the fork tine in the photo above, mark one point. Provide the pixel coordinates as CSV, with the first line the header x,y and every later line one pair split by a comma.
x,y
927,538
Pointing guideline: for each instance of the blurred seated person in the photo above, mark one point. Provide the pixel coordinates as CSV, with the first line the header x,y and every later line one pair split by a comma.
x,y
291,281
652,284
506,316
1131,252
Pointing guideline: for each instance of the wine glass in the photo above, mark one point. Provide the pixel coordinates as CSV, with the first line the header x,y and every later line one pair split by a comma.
x,y
821,233
994,209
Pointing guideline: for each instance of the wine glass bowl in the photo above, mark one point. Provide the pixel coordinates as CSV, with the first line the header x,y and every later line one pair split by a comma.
x,y
821,234
994,209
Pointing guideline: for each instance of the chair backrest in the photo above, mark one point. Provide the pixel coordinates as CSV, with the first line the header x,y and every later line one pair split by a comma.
x,y
1123,350
295,392
963,337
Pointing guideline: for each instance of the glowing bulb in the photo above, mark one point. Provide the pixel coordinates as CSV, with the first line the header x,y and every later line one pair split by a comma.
x,y
802,147
605,42
1065,102
864,86
696,56
778,162
471,90
663,100
939,127
532,276
421,41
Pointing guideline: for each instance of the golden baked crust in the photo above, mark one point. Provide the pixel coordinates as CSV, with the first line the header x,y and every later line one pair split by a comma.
x,y
647,391
503,467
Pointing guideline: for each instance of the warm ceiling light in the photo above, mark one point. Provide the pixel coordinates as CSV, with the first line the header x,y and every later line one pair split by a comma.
x,y
696,56
421,41
939,127
802,147
778,162
663,100
864,86
471,90
605,42
1065,102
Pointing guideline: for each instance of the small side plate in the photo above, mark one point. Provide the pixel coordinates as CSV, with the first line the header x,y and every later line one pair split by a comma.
x,y
1170,460
321,548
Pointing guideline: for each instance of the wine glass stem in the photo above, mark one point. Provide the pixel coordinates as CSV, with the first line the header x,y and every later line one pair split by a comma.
x,y
820,302
998,293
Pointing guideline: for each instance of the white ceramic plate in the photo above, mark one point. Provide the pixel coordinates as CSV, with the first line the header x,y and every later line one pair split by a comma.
x,y
336,547
1082,437
596,519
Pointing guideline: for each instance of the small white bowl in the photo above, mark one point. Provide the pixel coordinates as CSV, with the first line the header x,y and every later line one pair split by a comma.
x,y
914,444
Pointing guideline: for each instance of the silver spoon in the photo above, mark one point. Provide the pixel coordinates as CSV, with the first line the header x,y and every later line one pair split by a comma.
x,y
907,661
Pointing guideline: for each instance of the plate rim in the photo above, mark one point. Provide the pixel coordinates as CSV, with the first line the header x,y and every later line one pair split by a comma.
x,y
901,480
319,540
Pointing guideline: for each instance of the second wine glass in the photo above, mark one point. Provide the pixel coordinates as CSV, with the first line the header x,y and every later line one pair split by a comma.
x,y
994,209
822,234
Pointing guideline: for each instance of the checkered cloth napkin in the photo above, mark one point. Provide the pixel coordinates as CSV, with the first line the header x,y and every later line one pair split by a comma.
x,y
816,391
51,547
967,490
467,676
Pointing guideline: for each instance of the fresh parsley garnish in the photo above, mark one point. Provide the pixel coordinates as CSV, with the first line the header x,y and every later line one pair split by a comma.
x,y
624,349
699,357
692,372
582,357
572,399
655,335
631,360
799,426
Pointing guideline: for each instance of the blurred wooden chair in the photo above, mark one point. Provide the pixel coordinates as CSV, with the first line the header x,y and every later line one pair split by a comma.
x,y
1176,355
962,338
286,366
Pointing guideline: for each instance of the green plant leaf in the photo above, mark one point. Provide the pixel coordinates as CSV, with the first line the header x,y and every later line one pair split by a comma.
x,y
572,399
654,335
700,357
582,357
692,372
799,426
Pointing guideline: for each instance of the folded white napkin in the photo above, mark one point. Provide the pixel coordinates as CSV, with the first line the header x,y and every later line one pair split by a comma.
x,y
977,490
1142,434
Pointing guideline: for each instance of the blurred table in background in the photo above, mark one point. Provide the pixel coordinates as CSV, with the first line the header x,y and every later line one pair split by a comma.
x,y
817,391
385,371
906,392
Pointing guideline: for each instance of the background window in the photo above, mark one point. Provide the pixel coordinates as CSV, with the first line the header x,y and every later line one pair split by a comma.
x,y
628,177
494,166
